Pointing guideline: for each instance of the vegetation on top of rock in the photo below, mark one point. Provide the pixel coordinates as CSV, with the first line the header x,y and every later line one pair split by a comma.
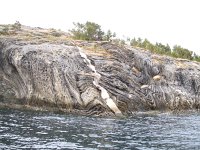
x,y
33,34
90,31
158,48
10,29
4,30
17,25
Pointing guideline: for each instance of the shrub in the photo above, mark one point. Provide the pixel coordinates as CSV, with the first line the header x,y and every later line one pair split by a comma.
x,y
17,26
89,31
55,33
4,30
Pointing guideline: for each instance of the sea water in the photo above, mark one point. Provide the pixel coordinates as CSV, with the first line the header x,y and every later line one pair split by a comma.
x,y
20,129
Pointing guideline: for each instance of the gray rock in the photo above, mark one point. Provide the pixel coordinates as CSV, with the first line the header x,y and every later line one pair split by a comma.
x,y
55,75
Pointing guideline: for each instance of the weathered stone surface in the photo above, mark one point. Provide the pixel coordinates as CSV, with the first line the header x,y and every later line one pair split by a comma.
x,y
54,74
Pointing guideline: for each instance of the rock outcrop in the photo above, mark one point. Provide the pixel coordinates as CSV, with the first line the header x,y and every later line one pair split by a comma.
x,y
101,78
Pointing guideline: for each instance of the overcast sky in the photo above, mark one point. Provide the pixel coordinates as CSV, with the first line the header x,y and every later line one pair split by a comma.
x,y
165,21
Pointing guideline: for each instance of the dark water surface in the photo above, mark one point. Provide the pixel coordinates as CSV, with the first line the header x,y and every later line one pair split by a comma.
x,y
41,130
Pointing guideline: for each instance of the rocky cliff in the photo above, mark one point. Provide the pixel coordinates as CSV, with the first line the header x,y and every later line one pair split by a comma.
x,y
93,77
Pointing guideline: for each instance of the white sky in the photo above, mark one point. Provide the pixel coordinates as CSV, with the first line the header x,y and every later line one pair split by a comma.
x,y
165,21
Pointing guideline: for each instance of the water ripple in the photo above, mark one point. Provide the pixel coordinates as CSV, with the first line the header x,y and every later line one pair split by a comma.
x,y
40,130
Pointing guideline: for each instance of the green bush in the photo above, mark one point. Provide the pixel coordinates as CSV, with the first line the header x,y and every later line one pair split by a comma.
x,y
159,48
90,31
180,52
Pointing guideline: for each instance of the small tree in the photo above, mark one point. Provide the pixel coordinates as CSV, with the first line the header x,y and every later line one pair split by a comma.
x,y
196,57
109,35
139,42
17,26
162,49
133,42
145,44
119,42
78,31
180,52
89,31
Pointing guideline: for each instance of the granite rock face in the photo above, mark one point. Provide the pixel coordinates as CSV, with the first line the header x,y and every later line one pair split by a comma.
x,y
57,76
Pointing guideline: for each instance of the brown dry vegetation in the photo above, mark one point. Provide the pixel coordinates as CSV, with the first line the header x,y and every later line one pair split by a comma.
x,y
96,50
26,33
